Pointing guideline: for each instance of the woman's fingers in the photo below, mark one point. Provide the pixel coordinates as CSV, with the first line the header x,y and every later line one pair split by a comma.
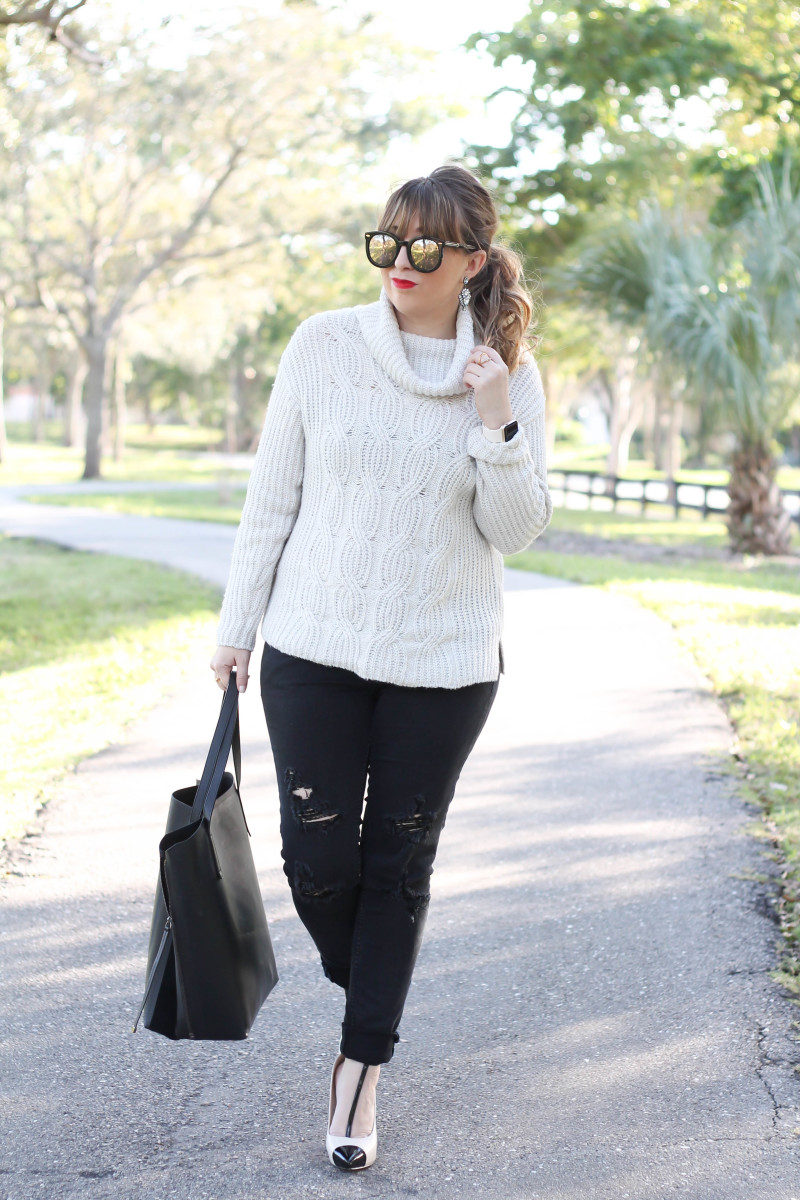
x,y
242,663
222,674
224,660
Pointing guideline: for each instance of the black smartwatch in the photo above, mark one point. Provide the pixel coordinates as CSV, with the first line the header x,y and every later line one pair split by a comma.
x,y
503,434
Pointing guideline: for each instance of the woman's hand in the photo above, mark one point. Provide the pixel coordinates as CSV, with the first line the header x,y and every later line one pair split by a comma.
x,y
227,657
487,374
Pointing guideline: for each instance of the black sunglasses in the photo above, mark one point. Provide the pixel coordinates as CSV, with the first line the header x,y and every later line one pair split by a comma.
x,y
425,253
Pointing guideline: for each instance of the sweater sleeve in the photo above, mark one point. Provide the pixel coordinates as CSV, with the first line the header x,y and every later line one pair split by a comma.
x,y
271,505
512,504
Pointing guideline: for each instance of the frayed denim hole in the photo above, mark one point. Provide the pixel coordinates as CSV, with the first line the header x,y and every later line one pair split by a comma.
x,y
413,828
303,882
310,815
416,898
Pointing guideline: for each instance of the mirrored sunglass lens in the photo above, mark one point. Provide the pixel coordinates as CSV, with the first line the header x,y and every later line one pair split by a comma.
x,y
382,249
424,254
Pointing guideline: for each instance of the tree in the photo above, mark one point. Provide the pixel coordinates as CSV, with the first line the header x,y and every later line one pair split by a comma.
x,y
16,300
721,309
619,94
49,15
136,182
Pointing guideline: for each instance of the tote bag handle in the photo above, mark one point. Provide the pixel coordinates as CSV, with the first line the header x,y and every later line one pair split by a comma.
x,y
226,734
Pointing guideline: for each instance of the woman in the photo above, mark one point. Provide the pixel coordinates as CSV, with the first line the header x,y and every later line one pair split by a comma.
x,y
401,456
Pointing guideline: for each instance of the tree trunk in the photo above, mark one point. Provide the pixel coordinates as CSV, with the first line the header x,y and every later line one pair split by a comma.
x,y
243,430
756,518
120,406
551,406
625,410
671,444
75,421
704,432
185,413
41,380
658,431
231,403
650,421
96,352
673,447
230,422
147,404
105,406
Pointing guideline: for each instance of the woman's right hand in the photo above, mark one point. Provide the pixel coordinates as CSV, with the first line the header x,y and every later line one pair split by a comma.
x,y
227,657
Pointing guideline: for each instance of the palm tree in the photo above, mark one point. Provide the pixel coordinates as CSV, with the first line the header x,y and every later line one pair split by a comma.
x,y
721,307
615,274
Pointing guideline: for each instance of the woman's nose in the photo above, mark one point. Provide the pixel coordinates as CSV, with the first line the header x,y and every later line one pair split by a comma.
x,y
402,260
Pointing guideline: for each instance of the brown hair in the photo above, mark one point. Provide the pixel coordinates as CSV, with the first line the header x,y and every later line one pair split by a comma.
x,y
455,205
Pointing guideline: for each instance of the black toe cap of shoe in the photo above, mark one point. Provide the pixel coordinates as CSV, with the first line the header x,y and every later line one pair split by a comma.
x,y
349,1158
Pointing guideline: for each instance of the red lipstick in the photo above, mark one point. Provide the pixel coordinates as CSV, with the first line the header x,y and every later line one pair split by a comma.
x,y
403,283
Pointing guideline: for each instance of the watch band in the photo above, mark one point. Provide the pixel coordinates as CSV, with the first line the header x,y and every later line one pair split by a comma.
x,y
503,434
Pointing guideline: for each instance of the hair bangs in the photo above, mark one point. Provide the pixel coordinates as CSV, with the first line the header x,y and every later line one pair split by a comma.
x,y
438,217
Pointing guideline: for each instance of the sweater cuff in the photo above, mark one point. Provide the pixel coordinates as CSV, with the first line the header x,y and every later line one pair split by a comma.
x,y
512,451
236,639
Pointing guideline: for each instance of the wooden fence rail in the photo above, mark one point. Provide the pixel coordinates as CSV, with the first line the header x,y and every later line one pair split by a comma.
x,y
704,497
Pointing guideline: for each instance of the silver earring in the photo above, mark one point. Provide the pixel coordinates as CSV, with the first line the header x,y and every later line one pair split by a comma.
x,y
465,295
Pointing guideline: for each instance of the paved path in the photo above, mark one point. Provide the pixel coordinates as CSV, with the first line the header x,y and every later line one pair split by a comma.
x,y
591,1016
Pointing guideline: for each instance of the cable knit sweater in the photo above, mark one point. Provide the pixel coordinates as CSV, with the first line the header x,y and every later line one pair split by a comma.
x,y
377,511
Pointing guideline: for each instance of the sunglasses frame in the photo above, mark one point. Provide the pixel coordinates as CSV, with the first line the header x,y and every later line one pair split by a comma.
x,y
407,242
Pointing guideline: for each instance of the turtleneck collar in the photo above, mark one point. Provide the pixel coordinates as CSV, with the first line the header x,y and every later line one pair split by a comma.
x,y
381,331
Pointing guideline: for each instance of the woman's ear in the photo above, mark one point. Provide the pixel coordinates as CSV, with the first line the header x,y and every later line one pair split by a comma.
x,y
478,260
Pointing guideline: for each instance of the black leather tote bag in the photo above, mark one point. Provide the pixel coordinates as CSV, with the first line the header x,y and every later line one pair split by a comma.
x,y
210,962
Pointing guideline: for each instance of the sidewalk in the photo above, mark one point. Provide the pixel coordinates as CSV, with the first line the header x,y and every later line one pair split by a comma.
x,y
203,547
590,1017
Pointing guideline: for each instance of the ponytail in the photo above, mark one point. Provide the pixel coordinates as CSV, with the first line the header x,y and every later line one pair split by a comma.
x,y
502,305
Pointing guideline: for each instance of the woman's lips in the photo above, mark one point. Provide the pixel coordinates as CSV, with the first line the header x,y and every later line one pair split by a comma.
x,y
403,283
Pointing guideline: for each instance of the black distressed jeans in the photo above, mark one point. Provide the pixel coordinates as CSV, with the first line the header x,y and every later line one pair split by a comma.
x,y
361,885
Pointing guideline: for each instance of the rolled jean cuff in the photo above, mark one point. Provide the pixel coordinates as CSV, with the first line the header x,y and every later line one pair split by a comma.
x,y
372,1048
340,975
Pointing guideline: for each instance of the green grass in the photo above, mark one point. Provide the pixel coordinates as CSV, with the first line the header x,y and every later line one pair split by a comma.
x,y
658,528
594,458
741,623
171,453
83,642
223,504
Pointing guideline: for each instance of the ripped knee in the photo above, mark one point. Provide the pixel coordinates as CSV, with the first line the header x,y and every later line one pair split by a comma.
x,y
310,813
413,827
411,887
416,898
303,881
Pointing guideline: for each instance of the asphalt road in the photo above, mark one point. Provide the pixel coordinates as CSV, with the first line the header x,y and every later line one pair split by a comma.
x,y
591,1014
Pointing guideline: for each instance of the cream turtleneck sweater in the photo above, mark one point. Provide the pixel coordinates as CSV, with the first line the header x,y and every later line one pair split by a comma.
x,y
377,511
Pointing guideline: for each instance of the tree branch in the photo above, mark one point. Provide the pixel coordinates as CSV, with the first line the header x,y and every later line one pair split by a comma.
x,y
49,15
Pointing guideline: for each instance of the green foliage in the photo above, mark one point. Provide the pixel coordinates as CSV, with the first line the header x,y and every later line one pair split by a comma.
x,y
613,54
628,98
168,453
223,504
718,308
